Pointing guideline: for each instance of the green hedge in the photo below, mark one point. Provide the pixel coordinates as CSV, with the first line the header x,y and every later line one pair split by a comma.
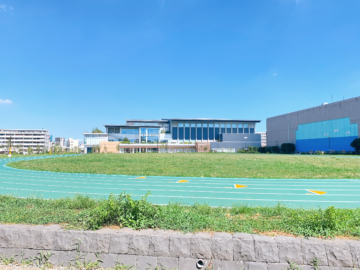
x,y
288,148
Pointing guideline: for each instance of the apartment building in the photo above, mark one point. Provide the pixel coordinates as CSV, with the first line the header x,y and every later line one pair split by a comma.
x,y
21,139
60,141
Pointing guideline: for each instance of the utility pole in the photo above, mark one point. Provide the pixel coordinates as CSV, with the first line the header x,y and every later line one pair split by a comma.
x,y
329,145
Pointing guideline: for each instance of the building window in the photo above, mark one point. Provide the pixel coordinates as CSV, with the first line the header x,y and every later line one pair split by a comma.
x,y
234,128
181,131
142,130
211,131
205,131
241,130
193,132
222,128
152,139
217,132
252,128
152,131
129,131
199,132
110,130
246,128
187,131
228,128
174,133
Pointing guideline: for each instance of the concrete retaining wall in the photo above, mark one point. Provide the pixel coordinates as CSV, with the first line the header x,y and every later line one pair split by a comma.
x,y
146,249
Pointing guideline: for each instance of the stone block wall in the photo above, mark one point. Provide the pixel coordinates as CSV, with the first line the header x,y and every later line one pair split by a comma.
x,y
147,249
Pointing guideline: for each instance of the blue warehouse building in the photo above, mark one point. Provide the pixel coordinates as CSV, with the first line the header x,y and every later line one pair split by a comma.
x,y
329,127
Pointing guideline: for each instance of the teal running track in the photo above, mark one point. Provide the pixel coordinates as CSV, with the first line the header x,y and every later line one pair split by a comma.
x,y
307,193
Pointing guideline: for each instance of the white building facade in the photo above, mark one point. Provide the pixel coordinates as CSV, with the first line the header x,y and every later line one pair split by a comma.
x,y
92,140
72,144
22,139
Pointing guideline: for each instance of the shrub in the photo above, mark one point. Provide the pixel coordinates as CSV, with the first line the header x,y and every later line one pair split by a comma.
x,y
288,148
124,211
356,144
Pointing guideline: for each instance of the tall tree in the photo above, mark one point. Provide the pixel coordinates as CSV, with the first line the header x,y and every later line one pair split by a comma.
x,y
96,130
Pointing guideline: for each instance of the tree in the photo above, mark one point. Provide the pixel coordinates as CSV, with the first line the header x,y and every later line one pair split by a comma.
x,y
38,149
356,144
118,147
96,130
29,150
288,148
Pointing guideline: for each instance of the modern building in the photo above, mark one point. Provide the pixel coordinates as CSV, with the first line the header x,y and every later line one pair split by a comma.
x,y
72,144
329,127
263,138
93,140
181,135
60,141
21,139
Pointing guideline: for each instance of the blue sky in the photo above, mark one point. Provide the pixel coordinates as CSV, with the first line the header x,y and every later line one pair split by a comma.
x,y
69,66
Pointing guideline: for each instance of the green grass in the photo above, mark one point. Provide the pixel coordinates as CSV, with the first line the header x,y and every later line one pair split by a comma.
x,y
203,164
86,213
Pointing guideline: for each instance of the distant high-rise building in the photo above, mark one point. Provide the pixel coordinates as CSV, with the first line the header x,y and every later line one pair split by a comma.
x,y
60,141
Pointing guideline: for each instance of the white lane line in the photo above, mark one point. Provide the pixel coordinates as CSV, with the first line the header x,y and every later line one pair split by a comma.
x,y
191,197
102,184
188,191
165,178
318,185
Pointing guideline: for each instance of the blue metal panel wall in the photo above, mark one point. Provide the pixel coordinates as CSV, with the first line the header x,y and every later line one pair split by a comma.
x,y
328,135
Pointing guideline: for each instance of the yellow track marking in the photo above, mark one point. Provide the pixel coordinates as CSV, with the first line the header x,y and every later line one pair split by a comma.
x,y
141,177
317,192
182,181
239,186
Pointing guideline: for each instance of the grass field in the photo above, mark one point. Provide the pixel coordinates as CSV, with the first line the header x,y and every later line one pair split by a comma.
x,y
86,213
203,165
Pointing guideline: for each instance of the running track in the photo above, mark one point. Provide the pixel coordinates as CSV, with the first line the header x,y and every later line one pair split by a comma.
x,y
307,193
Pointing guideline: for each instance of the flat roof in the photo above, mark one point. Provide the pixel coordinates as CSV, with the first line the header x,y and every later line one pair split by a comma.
x,y
88,133
212,119
132,126
319,106
146,120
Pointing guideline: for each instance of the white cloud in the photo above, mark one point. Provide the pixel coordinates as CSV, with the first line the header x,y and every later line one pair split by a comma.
x,y
5,7
275,74
5,101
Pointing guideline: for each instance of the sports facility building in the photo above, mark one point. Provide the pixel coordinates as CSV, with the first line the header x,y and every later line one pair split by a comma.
x,y
329,127
181,135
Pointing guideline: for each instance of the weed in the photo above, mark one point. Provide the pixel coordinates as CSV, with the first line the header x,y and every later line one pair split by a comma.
x,y
123,210
7,260
42,259
315,263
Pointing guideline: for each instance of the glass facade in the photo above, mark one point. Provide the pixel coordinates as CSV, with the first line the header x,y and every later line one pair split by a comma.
x,y
241,130
129,131
193,132
211,131
187,131
246,128
199,132
181,131
228,128
205,131
222,128
234,128
174,133
217,132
